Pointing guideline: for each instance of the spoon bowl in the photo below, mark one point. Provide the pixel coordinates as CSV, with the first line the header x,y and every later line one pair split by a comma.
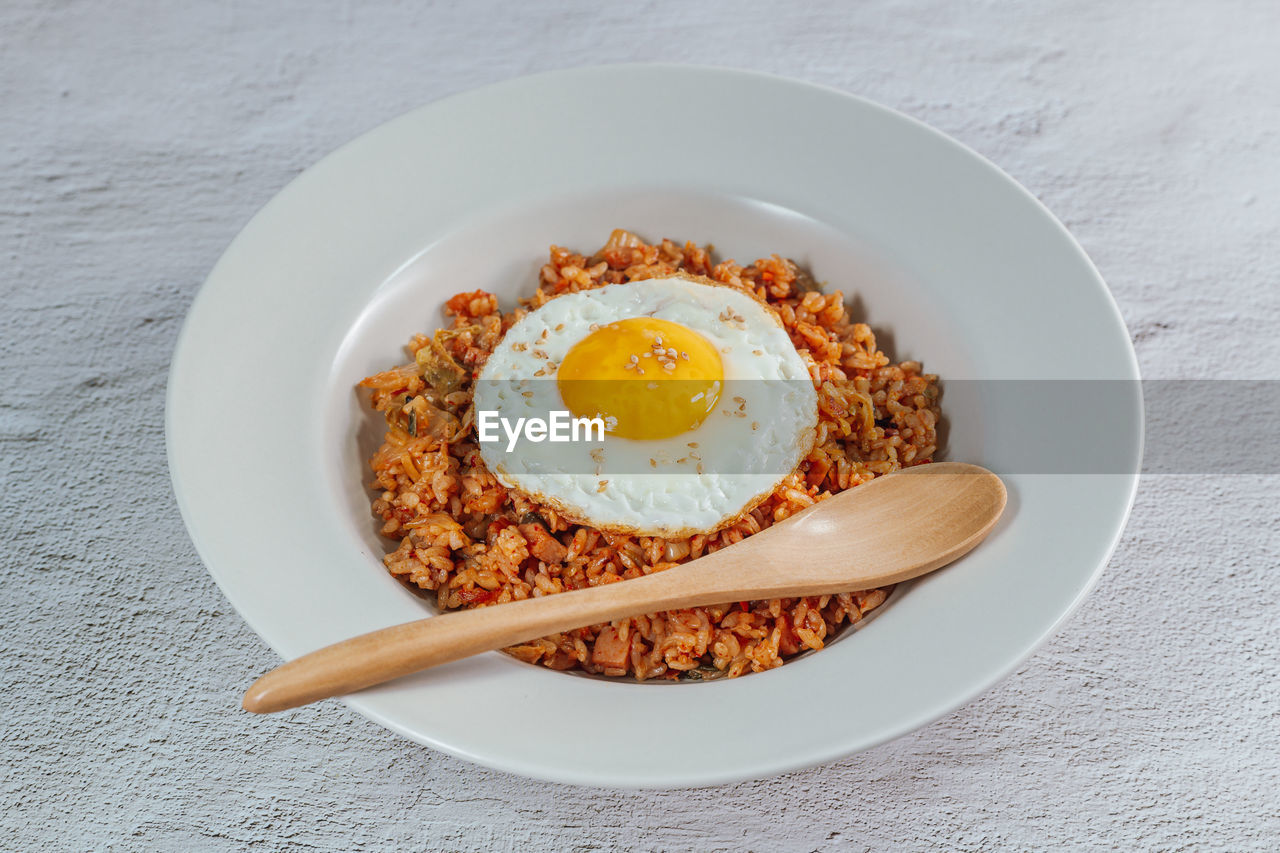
x,y
894,528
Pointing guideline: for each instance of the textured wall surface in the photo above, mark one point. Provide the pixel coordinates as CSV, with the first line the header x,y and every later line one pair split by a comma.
x,y
136,139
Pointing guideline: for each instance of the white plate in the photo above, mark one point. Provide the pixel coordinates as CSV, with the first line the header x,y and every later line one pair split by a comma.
x,y
941,252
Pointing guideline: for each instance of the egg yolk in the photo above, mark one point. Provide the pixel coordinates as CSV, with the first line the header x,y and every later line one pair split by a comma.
x,y
647,378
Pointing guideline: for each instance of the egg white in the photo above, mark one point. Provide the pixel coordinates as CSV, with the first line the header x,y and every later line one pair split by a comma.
x,y
695,482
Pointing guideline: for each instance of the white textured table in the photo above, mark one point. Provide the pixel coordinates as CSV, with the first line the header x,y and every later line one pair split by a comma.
x,y
137,139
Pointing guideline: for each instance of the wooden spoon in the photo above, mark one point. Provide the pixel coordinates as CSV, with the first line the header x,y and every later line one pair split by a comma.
x,y
891,529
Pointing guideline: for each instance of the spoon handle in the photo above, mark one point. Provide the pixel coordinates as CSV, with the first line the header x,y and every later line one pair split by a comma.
x,y
824,549
392,652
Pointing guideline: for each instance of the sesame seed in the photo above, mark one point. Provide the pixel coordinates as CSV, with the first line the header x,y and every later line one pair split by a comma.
x,y
628,366
519,347
699,467
526,394
658,340
673,352
560,327
757,352
739,400
540,354
593,327
540,372
739,414
634,358
755,425
693,444
685,356
603,483
653,463
682,460
648,355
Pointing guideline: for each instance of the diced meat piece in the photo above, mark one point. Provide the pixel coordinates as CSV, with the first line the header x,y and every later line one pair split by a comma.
x,y
610,650
542,544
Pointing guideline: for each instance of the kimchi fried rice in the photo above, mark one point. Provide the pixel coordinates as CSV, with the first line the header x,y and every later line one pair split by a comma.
x,y
461,534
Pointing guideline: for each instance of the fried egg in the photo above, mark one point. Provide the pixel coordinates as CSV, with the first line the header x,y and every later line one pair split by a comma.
x,y
706,405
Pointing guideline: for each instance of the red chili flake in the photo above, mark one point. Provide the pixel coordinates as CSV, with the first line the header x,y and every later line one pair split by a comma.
x,y
745,606
477,596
